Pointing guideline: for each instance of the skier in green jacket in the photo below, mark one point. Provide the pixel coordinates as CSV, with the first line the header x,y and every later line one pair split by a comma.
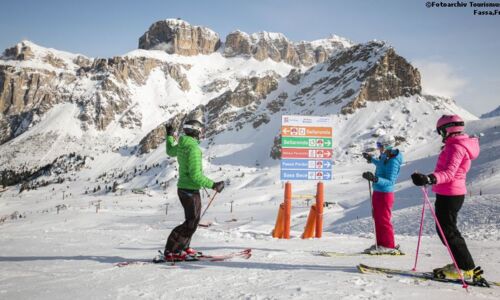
x,y
191,180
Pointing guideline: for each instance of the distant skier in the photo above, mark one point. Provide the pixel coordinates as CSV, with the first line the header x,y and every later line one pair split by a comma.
x,y
386,174
448,180
191,180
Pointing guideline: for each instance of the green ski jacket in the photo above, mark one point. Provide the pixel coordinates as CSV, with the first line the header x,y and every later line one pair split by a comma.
x,y
188,155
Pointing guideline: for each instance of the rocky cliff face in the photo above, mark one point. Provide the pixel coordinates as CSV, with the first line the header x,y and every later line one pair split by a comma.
x,y
391,77
112,96
33,80
179,37
276,46
239,105
364,72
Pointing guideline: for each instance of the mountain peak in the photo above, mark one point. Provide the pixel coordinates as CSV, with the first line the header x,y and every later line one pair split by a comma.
x,y
491,114
176,36
26,49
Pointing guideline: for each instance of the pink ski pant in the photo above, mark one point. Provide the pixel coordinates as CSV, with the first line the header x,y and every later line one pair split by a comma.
x,y
382,209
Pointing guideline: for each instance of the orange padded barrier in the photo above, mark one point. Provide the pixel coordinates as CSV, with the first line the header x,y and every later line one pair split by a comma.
x,y
279,226
311,223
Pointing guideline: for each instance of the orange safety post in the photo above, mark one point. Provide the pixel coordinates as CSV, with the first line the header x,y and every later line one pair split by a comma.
x,y
279,226
311,223
319,209
288,210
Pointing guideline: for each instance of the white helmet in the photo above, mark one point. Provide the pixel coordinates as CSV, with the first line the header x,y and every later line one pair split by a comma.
x,y
194,125
386,141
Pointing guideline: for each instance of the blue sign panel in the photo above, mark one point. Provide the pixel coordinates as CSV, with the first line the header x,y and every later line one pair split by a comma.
x,y
306,175
301,164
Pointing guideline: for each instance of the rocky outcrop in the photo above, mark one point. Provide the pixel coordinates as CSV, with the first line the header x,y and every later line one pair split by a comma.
x,y
112,96
179,37
365,72
21,51
215,86
26,94
294,76
277,104
99,87
157,136
276,46
224,109
152,140
392,77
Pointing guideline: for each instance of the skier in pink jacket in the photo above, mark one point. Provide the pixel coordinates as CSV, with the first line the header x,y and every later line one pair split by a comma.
x,y
448,182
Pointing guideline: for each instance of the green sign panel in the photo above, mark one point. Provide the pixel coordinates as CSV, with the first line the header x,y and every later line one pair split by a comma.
x,y
304,142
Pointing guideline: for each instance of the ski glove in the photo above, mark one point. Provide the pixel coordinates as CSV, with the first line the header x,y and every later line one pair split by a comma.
x,y
169,129
370,176
218,186
368,157
420,179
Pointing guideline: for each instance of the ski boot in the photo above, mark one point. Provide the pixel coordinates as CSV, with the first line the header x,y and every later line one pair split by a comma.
x,y
171,257
381,250
450,272
192,252
369,249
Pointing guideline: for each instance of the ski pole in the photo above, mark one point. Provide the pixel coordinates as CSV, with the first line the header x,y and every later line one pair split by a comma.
x,y
426,198
419,236
373,215
209,203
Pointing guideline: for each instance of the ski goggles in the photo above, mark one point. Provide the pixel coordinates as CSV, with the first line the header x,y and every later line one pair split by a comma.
x,y
386,147
442,129
200,129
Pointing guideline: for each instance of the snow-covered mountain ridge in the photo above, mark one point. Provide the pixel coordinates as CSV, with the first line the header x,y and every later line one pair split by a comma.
x,y
113,110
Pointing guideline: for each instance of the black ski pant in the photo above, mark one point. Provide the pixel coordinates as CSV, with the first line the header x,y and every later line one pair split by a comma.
x,y
180,237
447,208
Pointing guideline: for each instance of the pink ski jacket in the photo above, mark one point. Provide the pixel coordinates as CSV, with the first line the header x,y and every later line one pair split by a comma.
x,y
454,163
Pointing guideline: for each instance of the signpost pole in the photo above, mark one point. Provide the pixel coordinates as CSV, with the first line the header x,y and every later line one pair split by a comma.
x,y
288,209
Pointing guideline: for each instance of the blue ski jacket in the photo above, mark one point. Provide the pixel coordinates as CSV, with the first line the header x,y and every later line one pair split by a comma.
x,y
387,170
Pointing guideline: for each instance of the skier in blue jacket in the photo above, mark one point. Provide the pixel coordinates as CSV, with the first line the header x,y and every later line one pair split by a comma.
x,y
386,173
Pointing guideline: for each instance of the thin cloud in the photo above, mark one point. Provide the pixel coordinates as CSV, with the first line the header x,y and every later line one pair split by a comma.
x,y
440,79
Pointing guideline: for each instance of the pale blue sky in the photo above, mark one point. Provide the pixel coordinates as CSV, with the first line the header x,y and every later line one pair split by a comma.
x,y
456,51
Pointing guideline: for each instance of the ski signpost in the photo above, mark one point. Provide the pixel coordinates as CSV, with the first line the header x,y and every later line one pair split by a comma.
x,y
306,148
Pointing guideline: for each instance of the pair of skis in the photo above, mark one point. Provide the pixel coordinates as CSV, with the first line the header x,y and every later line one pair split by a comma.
x,y
423,276
398,272
245,254
340,254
